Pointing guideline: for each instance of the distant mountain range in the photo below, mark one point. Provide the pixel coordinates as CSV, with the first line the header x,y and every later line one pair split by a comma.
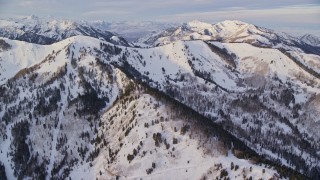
x,y
183,101
233,32
132,31
310,39
47,30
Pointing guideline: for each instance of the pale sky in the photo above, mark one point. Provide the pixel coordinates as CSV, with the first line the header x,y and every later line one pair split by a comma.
x,y
292,16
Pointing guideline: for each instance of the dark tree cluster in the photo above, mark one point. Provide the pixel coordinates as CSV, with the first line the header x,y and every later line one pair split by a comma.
x,y
3,175
4,46
44,108
113,50
224,54
20,154
157,139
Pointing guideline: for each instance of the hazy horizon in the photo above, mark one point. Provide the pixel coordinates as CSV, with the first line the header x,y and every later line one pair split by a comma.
x,y
296,17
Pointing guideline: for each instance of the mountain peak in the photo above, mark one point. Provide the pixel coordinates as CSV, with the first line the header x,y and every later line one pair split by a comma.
x,y
227,24
237,22
198,24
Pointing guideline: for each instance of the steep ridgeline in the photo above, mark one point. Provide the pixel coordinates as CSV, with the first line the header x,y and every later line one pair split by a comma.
x,y
50,110
86,108
48,30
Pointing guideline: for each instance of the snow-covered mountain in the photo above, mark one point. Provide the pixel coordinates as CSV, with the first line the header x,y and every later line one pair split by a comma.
x,y
226,31
204,109
229,31
310,39
48,30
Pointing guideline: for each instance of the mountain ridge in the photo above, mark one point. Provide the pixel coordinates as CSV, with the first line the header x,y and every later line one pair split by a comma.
x,y
230,31
110,109
47,31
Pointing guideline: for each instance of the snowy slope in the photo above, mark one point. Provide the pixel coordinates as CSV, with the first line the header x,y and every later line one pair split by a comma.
x,y
85,115
22,55
192,156
64,130
259,88
61,84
